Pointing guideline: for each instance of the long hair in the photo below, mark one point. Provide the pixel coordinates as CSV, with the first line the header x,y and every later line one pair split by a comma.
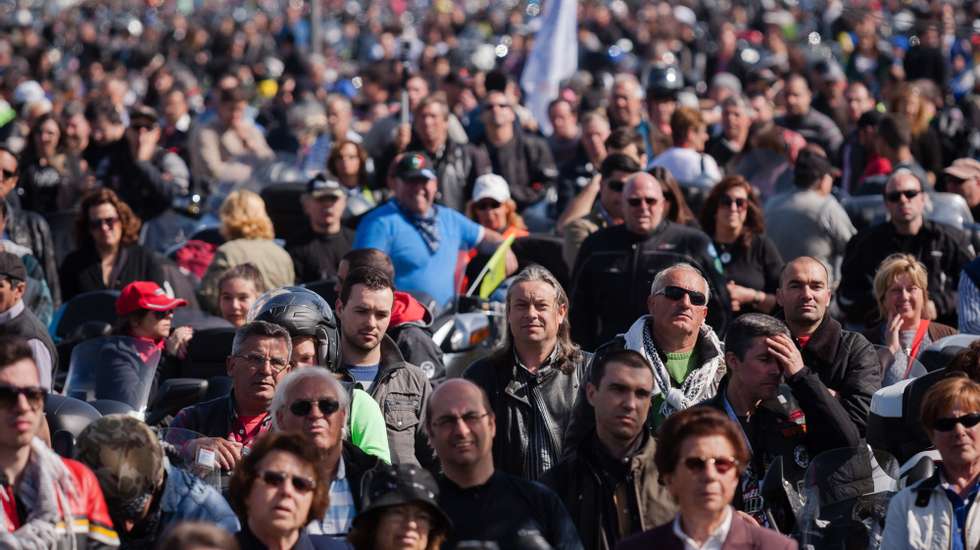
x,y
129,221
32,153
513,218
243,216
754,224
919,120
568,351
678,210
333,160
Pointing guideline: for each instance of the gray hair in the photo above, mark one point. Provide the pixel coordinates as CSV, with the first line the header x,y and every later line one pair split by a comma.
x,y
262,329
740,102
623,78
903,173
748,327
300,377
660,280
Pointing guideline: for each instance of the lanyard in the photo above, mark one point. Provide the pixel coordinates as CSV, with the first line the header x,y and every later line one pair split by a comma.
x,y
916,343
734,417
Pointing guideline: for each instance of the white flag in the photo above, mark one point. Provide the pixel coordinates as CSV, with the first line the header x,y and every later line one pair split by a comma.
x,y
553,59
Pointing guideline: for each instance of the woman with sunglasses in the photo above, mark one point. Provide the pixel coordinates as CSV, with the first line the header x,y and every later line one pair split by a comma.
x,y
107,254
276,490
938,512
733,219
701,455
493,208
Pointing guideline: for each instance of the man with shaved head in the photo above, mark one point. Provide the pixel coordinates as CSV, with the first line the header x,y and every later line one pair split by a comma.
x,y
844,361
616,265
487,506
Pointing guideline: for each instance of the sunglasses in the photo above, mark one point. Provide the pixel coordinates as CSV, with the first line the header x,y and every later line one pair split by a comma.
x,y
738,202
699,464
304,407
637,201
616,186
487,205
949,424
895,196
10,395
99,223
276,479
162,314
677,293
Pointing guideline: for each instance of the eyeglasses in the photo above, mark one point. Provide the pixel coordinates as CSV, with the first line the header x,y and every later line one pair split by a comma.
x,y
895,196
699,464
738,202
256,360
10,395
616,186
448,421
304,407
276,479
7,174
637,201
403,514
949,424
162,314
677,293
99,222
487,205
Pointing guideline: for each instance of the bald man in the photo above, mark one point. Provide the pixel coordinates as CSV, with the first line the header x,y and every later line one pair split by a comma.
x,y
616,265
483,504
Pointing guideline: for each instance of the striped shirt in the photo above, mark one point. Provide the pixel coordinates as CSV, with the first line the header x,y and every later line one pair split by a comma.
x,y
337,521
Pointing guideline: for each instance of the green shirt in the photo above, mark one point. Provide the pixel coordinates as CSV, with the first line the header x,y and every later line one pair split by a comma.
x,y
679,365
368,431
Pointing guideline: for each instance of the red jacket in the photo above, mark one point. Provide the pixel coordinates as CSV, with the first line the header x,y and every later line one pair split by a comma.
x,y
91,524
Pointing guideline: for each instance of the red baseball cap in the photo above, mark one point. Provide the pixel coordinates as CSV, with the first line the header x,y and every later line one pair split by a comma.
x,y
145,295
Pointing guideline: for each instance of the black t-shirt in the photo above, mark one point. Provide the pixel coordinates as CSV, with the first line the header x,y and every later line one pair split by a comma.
x,y
316,257
756,266
510,511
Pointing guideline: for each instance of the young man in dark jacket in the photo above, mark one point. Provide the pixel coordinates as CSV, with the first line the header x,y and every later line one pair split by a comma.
x,y
609,482
795,425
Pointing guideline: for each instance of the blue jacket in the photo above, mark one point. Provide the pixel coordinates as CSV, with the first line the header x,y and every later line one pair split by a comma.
x,y
187,498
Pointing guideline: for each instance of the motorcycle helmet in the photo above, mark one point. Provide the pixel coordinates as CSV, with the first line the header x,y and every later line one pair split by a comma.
x,y
302,312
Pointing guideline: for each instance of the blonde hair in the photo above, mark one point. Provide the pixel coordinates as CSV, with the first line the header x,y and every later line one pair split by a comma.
x,y
243,216
890,269
513,218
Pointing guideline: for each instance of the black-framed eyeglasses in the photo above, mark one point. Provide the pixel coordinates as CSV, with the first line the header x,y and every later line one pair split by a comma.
x,y
7,174
638,201
895,196
9,395
616,186
738,202
699,464
487,205
302,408
255,361
471,419
276,479
949,424
677,293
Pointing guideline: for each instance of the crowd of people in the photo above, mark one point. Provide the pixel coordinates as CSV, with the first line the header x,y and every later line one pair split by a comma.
x,y
737,222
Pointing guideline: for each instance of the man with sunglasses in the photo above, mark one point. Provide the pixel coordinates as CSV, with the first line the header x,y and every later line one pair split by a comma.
x,y
17,320
616,265
313,403
941,248
783,408
259,358
35,482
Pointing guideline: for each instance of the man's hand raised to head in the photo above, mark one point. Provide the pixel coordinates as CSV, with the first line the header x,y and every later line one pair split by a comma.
x,y
786,354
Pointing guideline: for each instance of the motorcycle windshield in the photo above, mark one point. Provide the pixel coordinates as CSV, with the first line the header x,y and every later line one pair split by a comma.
x,y
177,446
119,368
897,366
846,493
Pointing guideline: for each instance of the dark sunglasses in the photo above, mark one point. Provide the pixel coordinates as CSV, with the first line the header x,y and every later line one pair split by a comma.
x,y
948,424
895,196
487,205
305,407
276,479
699,464
616,186
9,395
98,223
677,293
637,201
162,314
738,202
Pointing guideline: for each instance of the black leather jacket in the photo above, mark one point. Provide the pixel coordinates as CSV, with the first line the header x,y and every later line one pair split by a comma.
x,y
558,388
30,229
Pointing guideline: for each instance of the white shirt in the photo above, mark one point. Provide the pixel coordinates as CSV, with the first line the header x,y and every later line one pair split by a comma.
x,y
714,541
688,166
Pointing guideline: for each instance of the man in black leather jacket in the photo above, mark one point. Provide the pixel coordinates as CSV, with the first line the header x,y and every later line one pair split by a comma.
x,y
616,266
533,382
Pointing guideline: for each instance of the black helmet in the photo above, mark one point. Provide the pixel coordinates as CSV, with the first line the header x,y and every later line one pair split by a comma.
x,y
302,312
664,81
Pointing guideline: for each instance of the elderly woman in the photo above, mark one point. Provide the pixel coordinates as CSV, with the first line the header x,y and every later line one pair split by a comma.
x,y
107,256
733,219
248,231
901,288
938,512
276,490
401,511
701,457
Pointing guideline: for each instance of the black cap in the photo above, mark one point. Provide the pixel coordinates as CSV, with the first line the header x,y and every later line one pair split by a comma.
x,y
322,186
392,485
11,267
414,165
810,167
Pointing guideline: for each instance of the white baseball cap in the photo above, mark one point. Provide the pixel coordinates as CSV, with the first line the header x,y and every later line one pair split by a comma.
x,y
491,186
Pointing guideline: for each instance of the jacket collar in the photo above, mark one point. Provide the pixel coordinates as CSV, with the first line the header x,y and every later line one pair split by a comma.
x,y
825,340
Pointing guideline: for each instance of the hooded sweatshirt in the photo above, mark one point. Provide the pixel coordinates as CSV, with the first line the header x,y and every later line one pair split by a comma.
x,y
411,329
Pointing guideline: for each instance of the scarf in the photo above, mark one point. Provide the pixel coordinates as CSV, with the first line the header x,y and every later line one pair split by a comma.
x,y
426,225
46,491
700,384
